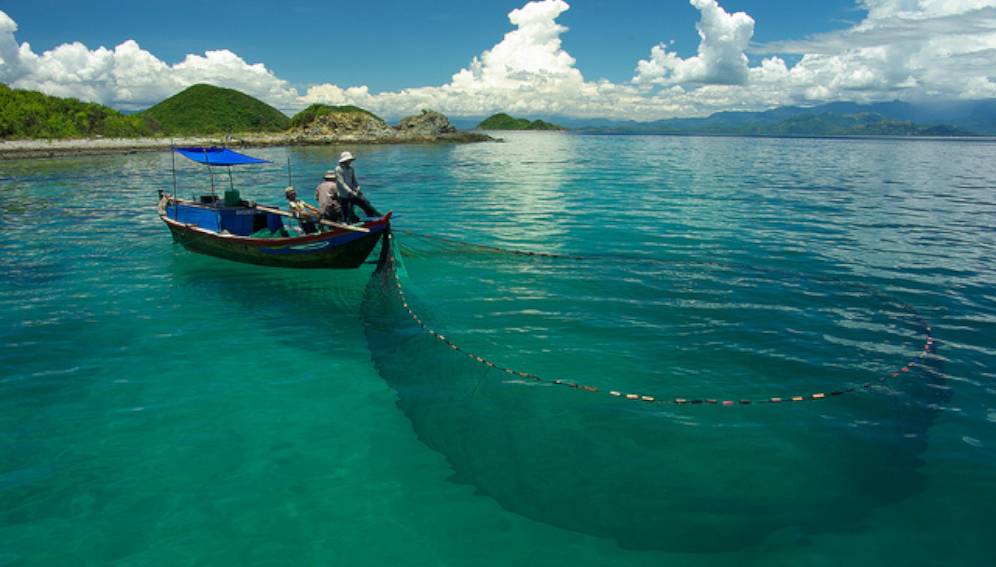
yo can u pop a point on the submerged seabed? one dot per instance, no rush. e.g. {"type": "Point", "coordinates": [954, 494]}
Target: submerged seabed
{"type": "Point", "coordinates": [157, 407]}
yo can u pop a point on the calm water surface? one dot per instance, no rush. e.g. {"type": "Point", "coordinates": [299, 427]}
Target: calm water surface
{"type": "Point", "coordinates": [157, 407]}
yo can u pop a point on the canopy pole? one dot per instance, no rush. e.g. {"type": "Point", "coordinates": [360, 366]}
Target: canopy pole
{"type": "Point", "coordinates": [172, 154]}
{"type": "Point", "coordinates": [207, 162]}
{"type": "Point", "coordinates": [231, 184]}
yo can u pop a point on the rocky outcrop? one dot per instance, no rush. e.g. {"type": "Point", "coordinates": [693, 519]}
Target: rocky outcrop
{"type": "Point", "coordinates": [346, 125]}
{"type": "Point", "coordinates": [428, 124]}
{"type": "Point", "coordinates": [362, 127]}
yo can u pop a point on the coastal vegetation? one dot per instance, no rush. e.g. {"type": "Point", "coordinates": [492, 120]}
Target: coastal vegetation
{"type": "Point", "coordinates": [207, 109]}
{"type": "Point", "coordinates": [200, 109]}
{"type": "Point", "coordinates": [31, 114]}
{"type": "Point", "coordinates": [502, 121]}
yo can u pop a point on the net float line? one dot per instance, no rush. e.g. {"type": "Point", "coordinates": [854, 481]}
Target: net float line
{"type": "Point", "coordinates": [495, 249]}
{"type": "Point", "coordinates": [916, 361]}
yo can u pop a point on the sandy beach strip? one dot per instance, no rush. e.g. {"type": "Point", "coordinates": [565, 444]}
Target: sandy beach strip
{"type": "Point", "coordinates": [19, 149]}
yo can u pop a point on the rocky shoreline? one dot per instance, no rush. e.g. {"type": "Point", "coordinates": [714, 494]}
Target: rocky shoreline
{"type": "Point", "coordinates": [342, 128]}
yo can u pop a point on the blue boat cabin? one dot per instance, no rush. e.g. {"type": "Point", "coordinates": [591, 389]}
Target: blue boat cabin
{"type": "Point", "coordinates": [238, 221]}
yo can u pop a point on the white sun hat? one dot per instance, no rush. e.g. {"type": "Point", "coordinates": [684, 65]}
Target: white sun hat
{"type": "Point", "coordinates": [346, 156]}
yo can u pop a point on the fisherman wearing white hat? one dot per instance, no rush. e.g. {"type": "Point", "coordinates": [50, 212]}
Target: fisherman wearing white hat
{"type": "Point", "coordinates": [349, 190]}
{"type": "Point", "coordinates": [327, 195]}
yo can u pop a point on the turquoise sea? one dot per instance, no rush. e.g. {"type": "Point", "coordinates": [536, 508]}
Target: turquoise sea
{"type": "Point", "coordinates": [163, 408]}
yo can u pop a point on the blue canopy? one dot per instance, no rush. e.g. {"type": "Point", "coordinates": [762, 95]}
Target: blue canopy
{"type": "Point", "coordinates": [218, 156]}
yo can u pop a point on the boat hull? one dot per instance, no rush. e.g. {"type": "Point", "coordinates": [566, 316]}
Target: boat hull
{"type": "Point", "coordinates": [341, 249]}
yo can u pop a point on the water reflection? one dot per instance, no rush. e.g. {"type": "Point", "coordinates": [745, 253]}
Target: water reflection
{"type": "Point", "coordinates": [520, 185]}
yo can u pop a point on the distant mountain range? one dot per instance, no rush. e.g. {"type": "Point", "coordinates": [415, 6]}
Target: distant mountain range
{"type": "Point", "coordinates": [958, 118]}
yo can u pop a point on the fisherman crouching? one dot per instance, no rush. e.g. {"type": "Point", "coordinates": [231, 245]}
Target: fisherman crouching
{"type": "Point", "coordinates": [307, 215]}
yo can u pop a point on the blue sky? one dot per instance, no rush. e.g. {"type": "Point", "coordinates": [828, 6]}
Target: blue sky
{"type": "Point", "coordinates": [624, 59]}
{"type": "Point", "coordinates": [396, 44]}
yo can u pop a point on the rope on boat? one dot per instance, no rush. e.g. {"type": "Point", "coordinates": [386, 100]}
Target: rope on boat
{"type": "Point", "coordinates": [645, 397]}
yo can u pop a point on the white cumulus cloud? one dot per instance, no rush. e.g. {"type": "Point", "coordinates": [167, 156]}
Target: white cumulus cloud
{"type": "Point", "coordinates": [720, 59]}
{"type": "Point", "coordinates": [527, 71]}
{"type": "Point", "coordinates": [907, 49]}
{"type": "Point", "coordinates": [129, 77]}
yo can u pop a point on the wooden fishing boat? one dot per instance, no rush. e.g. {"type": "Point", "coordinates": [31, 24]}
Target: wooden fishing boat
{"type": "Point", "coordinates": [243, 231]}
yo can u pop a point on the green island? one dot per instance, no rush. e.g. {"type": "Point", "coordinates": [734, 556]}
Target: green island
{"type": "Point", "coordinates": [33, 124]}
{"type": "Point", "coordinates": [502, 121]}
{"type": "Point", "coordinates": [207, 109]}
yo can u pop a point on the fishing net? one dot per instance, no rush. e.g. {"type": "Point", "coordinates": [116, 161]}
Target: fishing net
{"type": "Point", "coordinates": [692, 429]}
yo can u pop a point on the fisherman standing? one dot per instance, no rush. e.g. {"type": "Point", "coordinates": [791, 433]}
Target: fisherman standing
{"type": "Point", "coordinates": [327, 195]}
{"type": "Point", "coordinates": [349, 190]}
